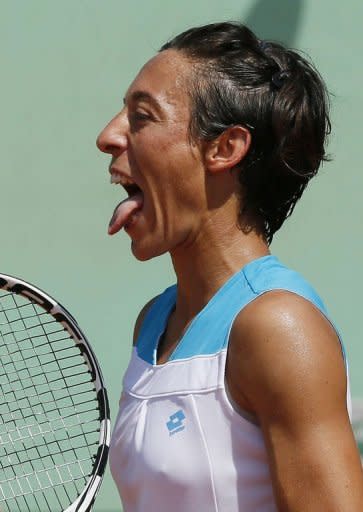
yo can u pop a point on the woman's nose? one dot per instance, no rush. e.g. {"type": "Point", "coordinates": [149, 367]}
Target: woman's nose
{"type": "Point", "coordinates": [112, 138]}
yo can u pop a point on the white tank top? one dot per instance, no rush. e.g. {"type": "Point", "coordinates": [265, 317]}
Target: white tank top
{"type": "Point", "coordinates": [178, 443]}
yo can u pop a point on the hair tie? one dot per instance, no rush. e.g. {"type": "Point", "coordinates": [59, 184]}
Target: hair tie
{"type": "Point", "coordinates": [264, 45]}
{"type": "Point", "coordinates": [279, 78]}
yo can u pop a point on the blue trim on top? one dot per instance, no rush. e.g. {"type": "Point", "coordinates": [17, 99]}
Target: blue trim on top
{"type": "Point", "coordinates": [154, 325]}
{"type": "Point", "coordinates": [208, 333]}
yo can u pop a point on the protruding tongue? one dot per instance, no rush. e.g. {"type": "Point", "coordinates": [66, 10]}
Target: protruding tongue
{"type": "Point", "coordinates": [124, 211]}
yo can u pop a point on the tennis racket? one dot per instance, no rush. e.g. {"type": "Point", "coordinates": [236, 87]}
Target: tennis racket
{"type": "Point", "coordinates": [54, 414]}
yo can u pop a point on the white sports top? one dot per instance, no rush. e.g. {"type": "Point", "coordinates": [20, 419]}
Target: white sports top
{"type": "Point", "coordinates": [178, 444]}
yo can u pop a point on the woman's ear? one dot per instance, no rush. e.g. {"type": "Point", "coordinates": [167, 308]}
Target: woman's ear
{"type": "Point", "coordinates": [227, 150]}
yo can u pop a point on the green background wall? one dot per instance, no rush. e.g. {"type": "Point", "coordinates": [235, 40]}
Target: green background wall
{"type": "Point", "coordinates": [64, 69]}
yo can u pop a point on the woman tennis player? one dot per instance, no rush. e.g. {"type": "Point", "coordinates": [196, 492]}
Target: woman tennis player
{"type": "Point", "coordinates": [236, 397]}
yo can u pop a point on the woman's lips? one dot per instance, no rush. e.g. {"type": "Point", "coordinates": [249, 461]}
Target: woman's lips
{"type": "Point", "coordinates": [125, 211]}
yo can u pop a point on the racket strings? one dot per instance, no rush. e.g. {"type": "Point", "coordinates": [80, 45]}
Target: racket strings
{"type": "Point", "coordinates": [17, 344]}
{"type": "Point", "coordinates": [52, 400]}
{"type": "Point", "coordinates": [48, 432]}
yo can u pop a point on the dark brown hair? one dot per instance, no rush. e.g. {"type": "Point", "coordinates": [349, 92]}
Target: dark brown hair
{"type": "Point", "coordinates": [278, 95]}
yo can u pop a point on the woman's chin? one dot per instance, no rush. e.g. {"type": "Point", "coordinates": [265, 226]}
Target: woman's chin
{"type": "Point", "coordinates": [143, 251]}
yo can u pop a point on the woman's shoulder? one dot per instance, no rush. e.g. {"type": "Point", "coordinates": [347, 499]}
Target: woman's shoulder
{"type": "Point", "coordinates": [281, 344]}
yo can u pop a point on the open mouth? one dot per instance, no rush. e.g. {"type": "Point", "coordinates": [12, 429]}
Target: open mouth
{"type": "Point", "coordinates": [132, 189]}
{"type": "Point", "coordinates": [125, 213]}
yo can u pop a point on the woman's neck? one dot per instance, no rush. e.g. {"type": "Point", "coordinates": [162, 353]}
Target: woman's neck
{"type": "Point", "coordinates": [203, 265]}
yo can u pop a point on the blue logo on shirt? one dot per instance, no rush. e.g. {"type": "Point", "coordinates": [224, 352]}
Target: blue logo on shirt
{"type": "Point", "coordinates": [175, 423]}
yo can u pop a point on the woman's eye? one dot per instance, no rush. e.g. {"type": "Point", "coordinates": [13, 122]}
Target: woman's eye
{"type": "Point", "coordinates": [138, 116]}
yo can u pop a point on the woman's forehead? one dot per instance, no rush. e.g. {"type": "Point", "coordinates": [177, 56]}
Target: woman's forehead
{"type": "Point", "coordinates": [164, 76]}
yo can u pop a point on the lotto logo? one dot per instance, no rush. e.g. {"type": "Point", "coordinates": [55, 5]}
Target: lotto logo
{"type": "Point", "coordinates": [175, 423]}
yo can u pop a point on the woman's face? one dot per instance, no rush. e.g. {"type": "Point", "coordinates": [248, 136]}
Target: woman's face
{"type": "Point", "coordinates": [152, 151]}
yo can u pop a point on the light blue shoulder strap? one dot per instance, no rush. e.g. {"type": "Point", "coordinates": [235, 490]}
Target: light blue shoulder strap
{"type": "Point", "coordinates": [154, 324]}
{"type": "Point", "coordinates": [267, 274]}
